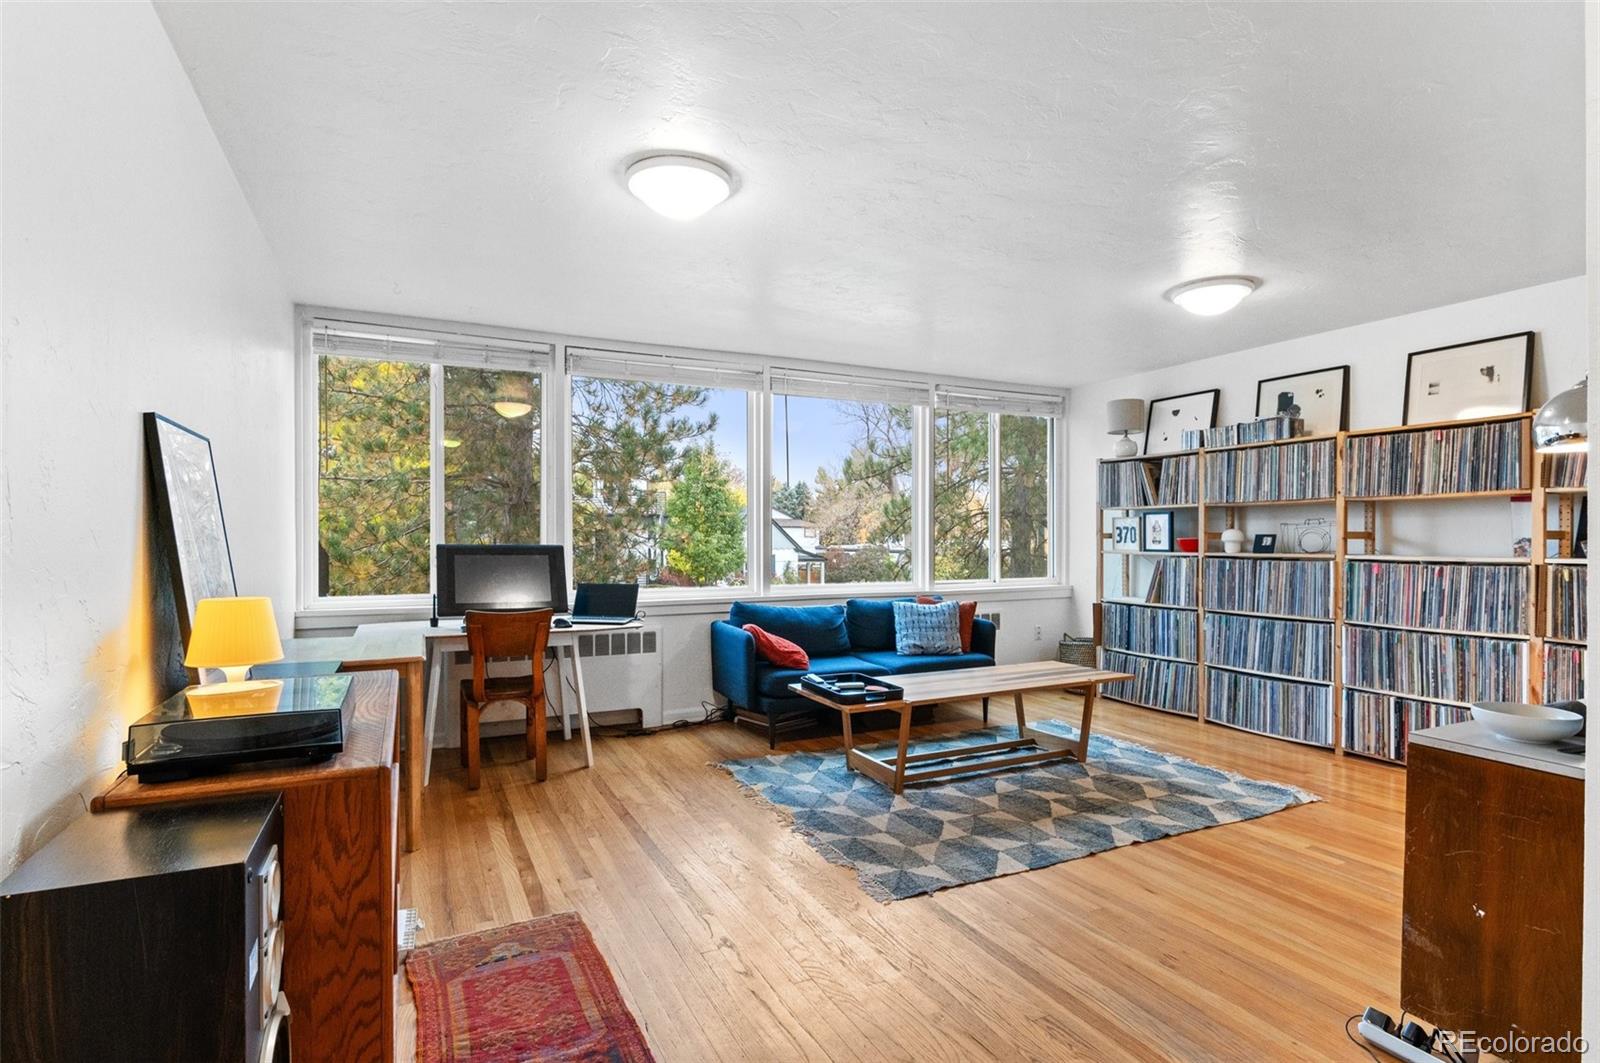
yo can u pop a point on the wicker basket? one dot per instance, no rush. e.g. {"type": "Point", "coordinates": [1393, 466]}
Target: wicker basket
{"type": "Point", "coordinates": [1076, 651]}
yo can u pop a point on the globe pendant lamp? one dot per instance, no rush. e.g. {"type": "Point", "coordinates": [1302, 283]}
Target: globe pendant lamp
{"type": "Point", "coordinates": [1562, 424]}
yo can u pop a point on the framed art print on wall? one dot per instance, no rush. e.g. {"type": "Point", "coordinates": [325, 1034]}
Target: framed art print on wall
{"type": "Point", "coordinates": [1321, 398]}
{"type": "Point", "coordinates": [1483, 378]}
{"type": "Point", "coordinates": [1170, 417]}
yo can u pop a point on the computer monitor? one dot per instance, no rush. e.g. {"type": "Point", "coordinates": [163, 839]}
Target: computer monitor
{"type": "Point", "coordinates": [501, 577]}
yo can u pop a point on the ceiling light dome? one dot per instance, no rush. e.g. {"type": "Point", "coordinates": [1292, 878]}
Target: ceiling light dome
{"type": "Point", "coordinates": [679, 187]}
{"type": "Point", "coordinates": [1211, 296]}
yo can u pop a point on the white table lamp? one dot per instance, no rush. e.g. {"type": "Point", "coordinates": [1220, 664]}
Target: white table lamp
{"type": "Point", "coordinates": [1125, 417]}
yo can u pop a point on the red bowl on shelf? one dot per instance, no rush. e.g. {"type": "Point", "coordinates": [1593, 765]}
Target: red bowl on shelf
{"type": "Point", "coordinates": [1189, 545]}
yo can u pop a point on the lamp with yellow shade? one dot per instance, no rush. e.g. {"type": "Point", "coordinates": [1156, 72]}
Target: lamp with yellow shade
{"type": "Point", "coordinates": [233, 634]}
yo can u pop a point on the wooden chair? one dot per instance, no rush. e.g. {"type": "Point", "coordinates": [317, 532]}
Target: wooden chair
{"type": "Point", "coordinates": [514, 635]}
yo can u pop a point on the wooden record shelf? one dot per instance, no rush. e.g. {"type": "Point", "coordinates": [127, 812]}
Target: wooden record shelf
{"type": "Point", "coordinates": [1359, 540]}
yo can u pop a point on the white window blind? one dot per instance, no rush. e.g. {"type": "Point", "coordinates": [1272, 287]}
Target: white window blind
{"type": "Point", "coordinates": [951, 397]}
{"type": "Point", "coordinates": [809, 384]}
{"type": "Point", "coordinates": [353, 339]}
{"type": "Point", "coordinates": [662, 368]}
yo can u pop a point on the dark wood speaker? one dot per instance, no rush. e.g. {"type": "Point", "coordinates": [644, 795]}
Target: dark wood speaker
{"type": "Point", "coordinates": [148, 935]}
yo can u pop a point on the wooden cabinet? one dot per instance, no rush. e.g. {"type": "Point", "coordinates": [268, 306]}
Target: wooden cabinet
{"type": "Point", "coordinates": [340, 829]}
{"type": "Point", "coordinates": [135, 915]}
{"type": "Point", "coordinates": [1493, 922]}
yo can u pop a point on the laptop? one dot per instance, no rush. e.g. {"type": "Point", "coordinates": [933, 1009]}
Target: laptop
{"type": "Point", "coordinates": [605, 603]}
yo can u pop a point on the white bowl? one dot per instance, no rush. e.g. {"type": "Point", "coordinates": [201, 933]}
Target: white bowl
{"type": "Point", "coordinates": [1537, 724]}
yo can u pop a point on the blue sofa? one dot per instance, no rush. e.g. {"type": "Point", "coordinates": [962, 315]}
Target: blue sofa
{"type": "Point", "coordinates": [857, 636]}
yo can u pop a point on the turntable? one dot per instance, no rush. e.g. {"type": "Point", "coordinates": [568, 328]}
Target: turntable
{"type": "Point", "coordinates": [196, 733]}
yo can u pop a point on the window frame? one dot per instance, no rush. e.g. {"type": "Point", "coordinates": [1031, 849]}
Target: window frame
{"type": "Point", "coordinates": [552, 366]}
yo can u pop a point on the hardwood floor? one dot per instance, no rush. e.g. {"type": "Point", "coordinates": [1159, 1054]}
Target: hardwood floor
{"type": "Point", "coordinates": [731, 939]}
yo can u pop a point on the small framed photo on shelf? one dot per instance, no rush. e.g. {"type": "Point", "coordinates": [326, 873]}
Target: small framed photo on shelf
{"type": "Point", "coordinates": [1125, 534]}
{"type": "Point", "coordinates": [1156, 531]}
{"type": "Point", "coordinates": [1170, 417]}
{"type": "Point", "coordinates": [1484, 378]}
{"type": "Point", "coordinates": [1320, 398]}
{"type": "Point", "coordinates": [1265, 543]}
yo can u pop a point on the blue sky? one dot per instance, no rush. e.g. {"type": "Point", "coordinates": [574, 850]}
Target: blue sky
{"type": "Point", "coordinates": [820, 434]}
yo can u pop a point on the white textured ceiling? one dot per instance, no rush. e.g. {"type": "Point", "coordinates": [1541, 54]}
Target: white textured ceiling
{"type": "Point", "coordinates": [998, 190]}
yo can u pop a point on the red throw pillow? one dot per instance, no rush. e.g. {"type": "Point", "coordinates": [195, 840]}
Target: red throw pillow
{"type": "Point", "coordinates": [965, 612]}
{"type": "Point", "coordinates": [778, 651]}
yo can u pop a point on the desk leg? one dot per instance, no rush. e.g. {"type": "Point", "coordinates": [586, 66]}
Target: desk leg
{"type": "Point", "coordinates": [436, 674]}
{"type": "Point", "coordinates": [583, 704]}
{"type": "Point", "coordinates": [566, 721]}
{"type": "Point", "coordinates": [417, 741]}
{"type": "Point", "coordinates": [558, 700]}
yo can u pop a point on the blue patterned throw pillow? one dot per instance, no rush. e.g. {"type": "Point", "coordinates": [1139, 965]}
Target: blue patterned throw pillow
{"type": "Point", "coordinates": [927, 630]}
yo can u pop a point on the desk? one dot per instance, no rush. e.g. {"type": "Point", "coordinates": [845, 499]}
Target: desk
{"type": "Point", "coordinates": [419, 653]}
{"type": "Point", "coordinates": [340, 873]}
{"type": "Point", "coordinates": [439, 642]}
{"type": "Point", "coordinates": [381, 651]}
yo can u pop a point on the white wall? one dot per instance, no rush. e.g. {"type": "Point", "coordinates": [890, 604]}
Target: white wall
{"type": "Point", "coordinates": [137, 279]}
{"type": "Point", "coordinates": [1376, 353]}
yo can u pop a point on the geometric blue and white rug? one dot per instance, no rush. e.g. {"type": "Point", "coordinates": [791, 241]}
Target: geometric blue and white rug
{"type": "Point", "coordinates": [975, 827]}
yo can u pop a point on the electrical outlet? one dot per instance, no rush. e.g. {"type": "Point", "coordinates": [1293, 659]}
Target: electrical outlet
{"type": "Point", "coordinates": [1038, 634]}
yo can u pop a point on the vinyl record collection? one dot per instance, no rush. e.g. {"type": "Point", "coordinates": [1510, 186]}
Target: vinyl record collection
{"type": "Point", "coordinates": [1484, 457]}
{"type": "Point", "coordinates": [1172, 582]}
{"type": "Point", "coordinates": [1378, 724]}
{"type": "Point", "coordinates": [1178, 482]}
{"type": "Point", "coordinates": [1288, 710]}
{"type": "Point", "coordinates": [1264, 585]}
{"type": "Point", "coordinates": [1488, 599]}
{"type": "Point", "coordinates": [1124, 483]}
{"type": "Point", "coordinates": [1569, 609]}
{"type": "Point", "coordinates": [1168, 685]}
{"type": "Point", "coordinates": [1360, 656]}
{"type": "Point", "coordinates": [1563, 673]}
{"type": "Point", "coordinates": [1173, 481]}
{"type": "Point", "coordinates": [1261, 430]}
{"type": "Point", "coordinates": [1566, 470]}
{"type": "Point", "coordinates": [1161, 632]}
{"type": "Point", "coordinates": [1272, 473]}
{"type": "Point", "coordinates": [1460, 668]}
{"type": "Point", "coordinates": [1283, 647]}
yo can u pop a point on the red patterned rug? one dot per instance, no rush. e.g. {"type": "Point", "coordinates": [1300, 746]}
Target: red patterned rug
{"type": "Point", "coordinates": [525, 993]}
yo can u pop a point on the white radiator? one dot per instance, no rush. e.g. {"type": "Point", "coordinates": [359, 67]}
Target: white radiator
{"type": "Point", "coordinates": [622, 672]}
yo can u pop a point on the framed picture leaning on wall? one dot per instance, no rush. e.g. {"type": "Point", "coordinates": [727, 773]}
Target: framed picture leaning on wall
{"type": "Point", "coordinates": [1483, 378]}
{"type": "Point", "coordinates": [1170, 417]}
{"type": "Point", "coordinates": [188, 515]}
{"type": "Point", "coordinates": [1321, 398]}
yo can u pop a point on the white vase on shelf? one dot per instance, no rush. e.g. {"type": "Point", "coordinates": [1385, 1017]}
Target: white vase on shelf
{"type": "Point", "coordinates": [1233, 541]}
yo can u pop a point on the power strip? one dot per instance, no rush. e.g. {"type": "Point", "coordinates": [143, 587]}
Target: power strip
{"type": "Point", "coordinates": [406, 925]}
{"type": "Point", "coordinates": [1378, 1029]}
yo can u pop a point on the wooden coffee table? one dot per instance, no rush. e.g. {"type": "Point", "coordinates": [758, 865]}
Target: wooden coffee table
{"type": "Point", "coordinates": [964, 684]}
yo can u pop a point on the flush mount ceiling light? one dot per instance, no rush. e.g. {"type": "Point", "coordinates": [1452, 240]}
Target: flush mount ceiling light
{"type": "Point", "coordinates": [1211, 296]}
{"type": "Point", "coordinates": [679, 187]}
